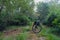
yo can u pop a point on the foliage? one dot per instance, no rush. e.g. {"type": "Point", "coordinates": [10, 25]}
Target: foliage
{"type": "Point", "coordinates": [15, 12]}
{"type": "Point", "coordinates": [43, 10]}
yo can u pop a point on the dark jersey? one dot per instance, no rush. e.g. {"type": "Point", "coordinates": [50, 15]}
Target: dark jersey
{"type": "Point", "coordinates": [37, 22]}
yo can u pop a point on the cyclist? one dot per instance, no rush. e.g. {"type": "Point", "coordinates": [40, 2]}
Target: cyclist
{"type": "Point", "coordinates": [36, 26]}
{"type": "Point", "coordinates": [37, 22]}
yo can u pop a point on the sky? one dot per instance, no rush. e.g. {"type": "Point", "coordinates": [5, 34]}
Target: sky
{"type": "Point", "coordinates": [36, 1]}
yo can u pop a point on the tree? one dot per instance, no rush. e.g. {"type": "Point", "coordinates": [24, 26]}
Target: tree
{"type": "Point", "coordinates": [13, 10]}
{"type": "Point", "coordinates": [43, 10]}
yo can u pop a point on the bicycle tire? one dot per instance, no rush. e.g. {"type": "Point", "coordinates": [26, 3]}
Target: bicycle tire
{"type": "Point", "coordinates": [33, 29]}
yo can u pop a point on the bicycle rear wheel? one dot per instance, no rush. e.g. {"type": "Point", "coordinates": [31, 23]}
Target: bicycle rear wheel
{"type": "Point", "coordinates": [36, 29]}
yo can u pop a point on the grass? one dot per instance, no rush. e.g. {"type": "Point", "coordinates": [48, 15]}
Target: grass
{"type": "Point", "coordinates": [25, 29]}
{"type": "Point", "coordinates": [12, 27]}
{"type": "Point", "coordinates": [46, 32]}
{"type": "Point", "coordinates": [22, 36]}
{"type": "Point", "coordinates": [52, 37]}
{"type": "Point", "coordinates": [1, 33]}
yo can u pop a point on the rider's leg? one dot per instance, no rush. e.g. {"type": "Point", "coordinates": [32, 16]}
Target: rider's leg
{"type": "Point", "coordinates": [36, 26]}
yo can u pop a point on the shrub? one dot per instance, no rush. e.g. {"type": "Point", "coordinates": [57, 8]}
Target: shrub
{"type": "Point", "coordinates": [19, 20]}
{"type": "Point", "coordinates": [2, 25]}
{"type": "Point", "coordinates": [49, 21]}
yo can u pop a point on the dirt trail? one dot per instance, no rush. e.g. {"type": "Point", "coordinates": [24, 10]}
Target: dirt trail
{"type": "Point", "coordinates": [12, 32]}
{"type": "Point", "coordinates": [32, 36]}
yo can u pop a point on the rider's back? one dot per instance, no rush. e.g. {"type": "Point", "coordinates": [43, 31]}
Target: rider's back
{"type": "Point", "coordinates": [37, 22]}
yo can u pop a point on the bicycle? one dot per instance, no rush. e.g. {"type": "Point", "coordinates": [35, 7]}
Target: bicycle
{"type": "Point", "coordinates": [36, 28]}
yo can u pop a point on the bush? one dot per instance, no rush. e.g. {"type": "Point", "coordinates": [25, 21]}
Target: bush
{"type": "Point", "coordinates": [2, 25]}
{"type": "Point", "coordinates": [56, 30]}
{"type": "Point", "coordinates": [49, 21]}
{"type": "Point", "coordinates": [19, 20]}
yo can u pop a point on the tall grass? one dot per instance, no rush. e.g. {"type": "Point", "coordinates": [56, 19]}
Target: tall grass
{"type": "Point", "coordinates": [22, 36]}
{"type": "Point", "coordinates": [46, 32]}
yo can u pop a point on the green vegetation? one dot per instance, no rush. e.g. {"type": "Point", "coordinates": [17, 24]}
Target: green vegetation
{"type": "Point", "coordinates": [22, 36]}
{"type": "Point", "coordinates": [46, 32]}
{"type": "Point", "coordinates": [20, 14]}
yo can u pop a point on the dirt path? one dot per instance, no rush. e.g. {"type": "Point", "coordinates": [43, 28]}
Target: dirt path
{"type": "Point", "coordinates": [32, 36]}
{"type": "Point", "coordinates": [12, 32]}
